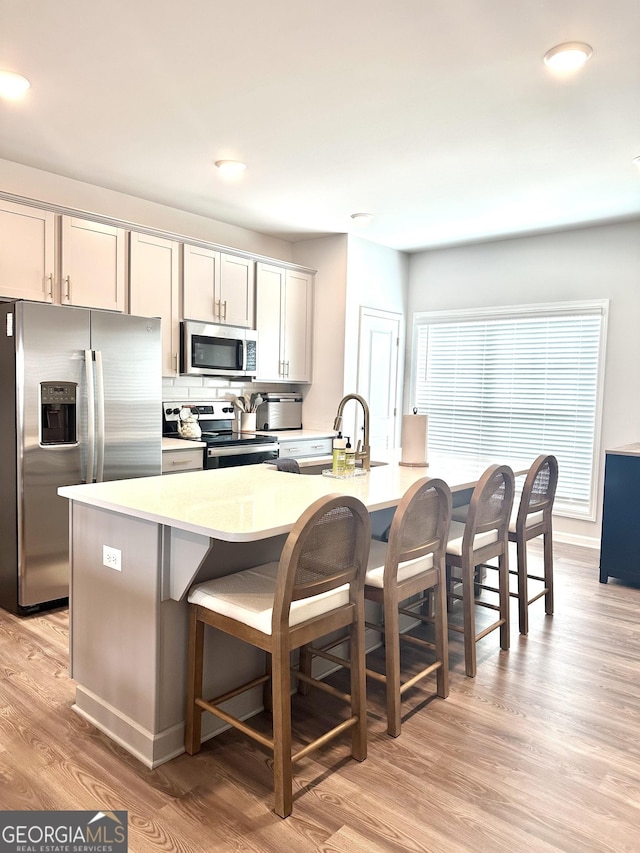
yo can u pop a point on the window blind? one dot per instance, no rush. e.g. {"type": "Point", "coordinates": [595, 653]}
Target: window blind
{"type": "Point", "coordinates": [514, 386]}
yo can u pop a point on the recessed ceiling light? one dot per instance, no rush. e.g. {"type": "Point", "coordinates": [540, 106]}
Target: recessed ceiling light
{"type": "Point", "coordinates": [231, 168]}
{"type": "Point", "coordinates": [568, 56]}
{"type": "Point", "coordinates": [362, 218]}
{"type": "Point", "coordinates": [13, 85]}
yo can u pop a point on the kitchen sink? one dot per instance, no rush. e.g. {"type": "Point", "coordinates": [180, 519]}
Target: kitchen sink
{"type": "Point", "coordinates": [326, 466]}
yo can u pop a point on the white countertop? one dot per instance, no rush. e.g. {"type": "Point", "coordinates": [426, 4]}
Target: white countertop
{"type": "Point", "coordinates": [181, 443]}
{"type": "Point", "coordinates": [626, 450]}
{"type": "Point", "coordinates": [253, 502]}
{"type": "Point", "coordinates": [295, 434]}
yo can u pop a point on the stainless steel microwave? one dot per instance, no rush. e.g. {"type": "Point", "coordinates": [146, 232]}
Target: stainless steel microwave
{"type": "Point", "coordinates": [208, 350]}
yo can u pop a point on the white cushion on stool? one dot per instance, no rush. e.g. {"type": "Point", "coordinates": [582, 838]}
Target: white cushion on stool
{"type": "Point", "coordinates": [377, 557]}
{"type": "Point", "coordinates": [456, 532]}
{"type": "Point", "coordinates": [531, 519]}
{"type": "Point", "coordinates": [248, 597]}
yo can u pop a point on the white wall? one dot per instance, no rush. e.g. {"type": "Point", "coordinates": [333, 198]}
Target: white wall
{"type": "Point", "coordinates": [56, 190]}
{"type": "Point", "coordinates": [597, 262]}
{"type": "Point", "coordinates": [327, 255]}
{"type": "Point", "coordinates": [377, 277]}
{"type": "Point", "coordinates": [352, 272]}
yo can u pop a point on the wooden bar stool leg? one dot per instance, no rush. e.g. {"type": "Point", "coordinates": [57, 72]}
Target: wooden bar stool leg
{"type": "Point", "coordinates": [523, 586]}
{"type": "Point", "coordinates": [442, 639]}
{"type": "Point", "coordinates": [282, 771]}
{"type": "Point", "coordinates": [548, 572]}
{"type": "Point", "coordinates": [195, 664]}
{"type": "Point", "coordinates": [358, 690]}
{"type": "Point", "coordinates": [503, 584]}
{"type": "Point", "coordinates": [304, 666]}
{"type": "Point", "coordinates": [392, 663]}
{"type": "Point", "coordinates": [469, 616]}
{"type": "Point", "coordinates": [267, 691]}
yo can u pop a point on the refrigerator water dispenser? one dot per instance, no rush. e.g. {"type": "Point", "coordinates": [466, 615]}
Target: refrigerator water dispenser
{"type": "Point", "coordinates": [58, 413]}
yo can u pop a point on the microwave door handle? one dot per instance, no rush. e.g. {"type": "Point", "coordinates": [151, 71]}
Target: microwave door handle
{"type": "Point", "coordinates": [91, 424]}
{"type": "Point", "coordinates": [99, 417]}
{"type": "Point", "coordinates": [241, 355]}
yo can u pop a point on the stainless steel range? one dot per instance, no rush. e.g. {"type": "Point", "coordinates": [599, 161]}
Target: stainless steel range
{"type": "Point", "coordinates": [225, 448]}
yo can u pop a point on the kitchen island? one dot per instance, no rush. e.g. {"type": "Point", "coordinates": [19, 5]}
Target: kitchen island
{"type": "Point", "coordinates": [136, 548]}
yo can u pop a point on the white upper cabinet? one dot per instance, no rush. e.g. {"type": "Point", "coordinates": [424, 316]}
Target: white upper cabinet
{"type": "Point", "coordinates": [89, 269]}
{"type": "Point", "coordinates": [237, 290]}
{"type": "Point", "coordinates": [284, 300]}
{"type": "Point", "coordinates": [27, 252]}
{"type": "Point", "coordinates": [200, 284]}
{"type": "Point", "coordinates": [154, 284]}
{"type": "Point", "coordinates": [217, 288]}
{"type": "Point", "coordinates": [92, 264]}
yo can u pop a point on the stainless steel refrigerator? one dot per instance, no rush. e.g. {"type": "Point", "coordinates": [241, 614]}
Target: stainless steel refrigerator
{"type": "Point", "coordinates": [80, 392]}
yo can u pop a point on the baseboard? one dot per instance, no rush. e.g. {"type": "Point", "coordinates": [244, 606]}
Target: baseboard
{"type": "Point", "coordinates": [576, 539]}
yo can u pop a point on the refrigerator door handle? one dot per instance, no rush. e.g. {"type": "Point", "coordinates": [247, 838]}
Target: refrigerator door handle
{"type": "Point", "coordinates": [91, 422]}
{"type": "Point", "coordinates": [99, 417]}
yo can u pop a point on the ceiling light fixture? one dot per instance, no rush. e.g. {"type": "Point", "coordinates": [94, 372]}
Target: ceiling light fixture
{"type": "Point", "coordinates": [362, 218]}
{"type": "Point", "coordinates": [231, 168]}
{"type": "Point", "coordinates": [568, 57]}
{"type": "Point", "coordinates": [13, 85]}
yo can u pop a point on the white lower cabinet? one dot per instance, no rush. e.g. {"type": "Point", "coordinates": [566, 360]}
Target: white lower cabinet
{"type": "Point", "coordinates": [284, 316]}
{"type": "Point", "coordinates": [177, 461]}
{"type": "Point", "coordinates": [300, 447]}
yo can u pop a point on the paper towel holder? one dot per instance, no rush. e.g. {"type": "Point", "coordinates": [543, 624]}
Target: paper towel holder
{"type": "Point", "coordinates": [420, 463]}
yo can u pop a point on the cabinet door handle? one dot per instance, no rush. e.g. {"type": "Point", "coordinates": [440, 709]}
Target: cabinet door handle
{"type": "Point", "coordinates": [225, 311]}
{"type": "Point", "coordinates": [217, 312]}
{"type": "Point", "coordinates": [50, 291]}
{"type": "Point", "coordinates": [67, 289]}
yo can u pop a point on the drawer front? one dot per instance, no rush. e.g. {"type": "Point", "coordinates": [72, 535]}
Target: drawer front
{"type": "Point", "coordinates": [175, 461]}
{"type": "Point", "coordinates": [306, 447]}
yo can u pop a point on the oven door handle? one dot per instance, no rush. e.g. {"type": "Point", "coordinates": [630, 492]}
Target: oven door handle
{"type": "Point", "coordinates": [241, 450]}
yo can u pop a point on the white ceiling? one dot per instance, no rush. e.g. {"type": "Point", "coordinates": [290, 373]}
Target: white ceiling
{"type": "Point", "coordinates": [436, 116]}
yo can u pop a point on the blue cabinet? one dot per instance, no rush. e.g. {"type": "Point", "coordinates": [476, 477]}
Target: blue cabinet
{"type": "Point", "coordinates": [620, 543]}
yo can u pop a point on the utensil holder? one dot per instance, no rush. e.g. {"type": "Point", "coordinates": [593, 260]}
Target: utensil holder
{"type": "Point", "coordinates": [247, 421]}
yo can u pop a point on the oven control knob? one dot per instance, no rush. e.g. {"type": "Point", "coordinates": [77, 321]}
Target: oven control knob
{"type": "Point", "coordinates": [228, 409]}
{"type": "Point", "coordinates": [176, 411]}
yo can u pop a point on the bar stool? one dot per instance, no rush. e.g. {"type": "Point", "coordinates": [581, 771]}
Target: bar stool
{"type": "Point", "coordinates": [532, 519]}
{"type": "Point", "coordinates": [315, 588]}
{"type": "Point", "coordinates": [410, 564]}
{"type": "Point", "coordinates": [482, 537]}
{"type": "Point", "coordinates": [288, 464]}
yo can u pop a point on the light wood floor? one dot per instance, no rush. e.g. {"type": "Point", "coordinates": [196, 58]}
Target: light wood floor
{"type": "Point", "coordinates": [540, 752]}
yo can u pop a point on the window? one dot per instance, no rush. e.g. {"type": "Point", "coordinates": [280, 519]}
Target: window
{"type": "Point", "coordinates": [511, 383]}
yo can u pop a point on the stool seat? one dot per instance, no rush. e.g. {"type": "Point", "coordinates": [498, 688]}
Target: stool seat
{"type": "Point", "coordinates": [248, 597]}
{"type": "Point", "coordinates": [530, 521]}
{"type": "Point", "coordinates": [456, 535]}
{"type": "Point", "coordinates": [406, 570]}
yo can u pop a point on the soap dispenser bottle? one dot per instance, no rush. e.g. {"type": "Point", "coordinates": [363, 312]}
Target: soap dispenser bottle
{"type": "Point", "coordinates": [339, 454]}
{"type": "Point", "coordinates": [349, 459]}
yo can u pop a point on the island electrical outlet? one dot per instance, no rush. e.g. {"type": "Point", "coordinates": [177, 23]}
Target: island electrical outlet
{"type": "Point", "coordinates": [112, 558]}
